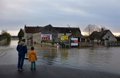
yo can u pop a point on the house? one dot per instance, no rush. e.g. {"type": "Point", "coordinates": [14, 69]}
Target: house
{"type": "Point", "coordinates": [49, 33]}
{"type": "Point", "coordinates": [69, 36]}
{"type": "Point", "coordinates": [102, 37]}
{"type": "Point", "coordinates": [31, 33]}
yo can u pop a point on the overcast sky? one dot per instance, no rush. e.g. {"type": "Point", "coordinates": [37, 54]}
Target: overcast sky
{"type": "Point", "coordinates": [14, 14]}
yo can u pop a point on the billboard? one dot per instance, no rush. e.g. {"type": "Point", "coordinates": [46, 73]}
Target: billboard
{"type": "Point", "coordinates": [74, 42]}
{"type": "Point", "coordinates": [64, 38]}
{"type": "Point", "coordinates": [46, 37]}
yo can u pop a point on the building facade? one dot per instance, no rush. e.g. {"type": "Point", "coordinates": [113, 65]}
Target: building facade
{"type": "Point", "coordinates": [104, 37]}
{"type": "Point", "coordinates": [48, 33]}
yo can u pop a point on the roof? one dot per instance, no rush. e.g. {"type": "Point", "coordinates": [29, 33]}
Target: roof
{"type": "Point", "coordinates": [102, 33]}
{"type": "Point", "coordinates": [29, 29]}
{"type": "Point", "coordinates": [95, 35]}
{"type": "Point", "coordinates": [98, 35]}
{"type": "Point", "coordinates": [48, 29]}
{"type": "Point", "coordinates": [36, 29]}
{"type": "Point", "coordinates": [66, 29]}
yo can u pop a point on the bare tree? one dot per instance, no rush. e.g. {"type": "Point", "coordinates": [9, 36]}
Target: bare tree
{"type": "Point", "coordinates": [90, 28]}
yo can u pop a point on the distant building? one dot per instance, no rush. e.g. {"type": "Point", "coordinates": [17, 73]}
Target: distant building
{"type": "Point", "coordinates": [38, 34]}
{"type": "Point", "coordinates": [30, 33]}
{"type": "Point", "coordinates": [102, 37]}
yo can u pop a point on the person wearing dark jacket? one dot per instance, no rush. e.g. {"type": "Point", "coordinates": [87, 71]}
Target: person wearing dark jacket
{"type": "Point", "coordinates": [22, 50]}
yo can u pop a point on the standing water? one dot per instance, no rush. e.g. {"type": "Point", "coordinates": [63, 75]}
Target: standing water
{"type": "Point", "coordinates": [98, 59]}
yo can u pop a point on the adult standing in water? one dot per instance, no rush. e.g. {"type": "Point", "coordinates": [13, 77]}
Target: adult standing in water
{"type": "Point", "coordinates": [22, 50]}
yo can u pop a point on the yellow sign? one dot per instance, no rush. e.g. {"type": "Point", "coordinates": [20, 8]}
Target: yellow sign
{"type": "Point", "coordinates": [64, 38]}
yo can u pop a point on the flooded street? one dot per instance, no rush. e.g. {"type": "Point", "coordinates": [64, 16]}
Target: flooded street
{"type": "Point", "coordinates": [99, 59]}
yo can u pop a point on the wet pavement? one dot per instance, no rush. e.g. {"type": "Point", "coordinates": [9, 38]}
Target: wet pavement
{"type": "Point", "coordinates": [48, 71]}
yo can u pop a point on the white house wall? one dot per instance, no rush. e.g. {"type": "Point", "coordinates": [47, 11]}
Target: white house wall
{"type": "Point", "coordinates": [110, 36]}
{"type": "Point", "coordinates": [28, 35]}
{"type": "Point", "coordinates": [37, 37]}
{"type": "Point", "coordinates": [27, 38]}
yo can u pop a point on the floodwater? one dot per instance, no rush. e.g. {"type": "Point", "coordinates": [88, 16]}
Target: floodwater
{"type": "Point", "coordinates": [99, 59]}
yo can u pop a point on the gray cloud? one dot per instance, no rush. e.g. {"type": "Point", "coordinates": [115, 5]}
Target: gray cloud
{"type": "Point", "coordinates": [60, 12]}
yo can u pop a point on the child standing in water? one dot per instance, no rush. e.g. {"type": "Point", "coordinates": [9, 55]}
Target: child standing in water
{"type": "Point", "coordinates": [32, 56]}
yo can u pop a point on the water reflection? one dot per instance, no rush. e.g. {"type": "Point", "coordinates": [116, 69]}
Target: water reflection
{"type": "Point", "coordinates": [49, 56]}
{"type": "Point", "coordinates": [99, 57]}
{"type": "Point", "coordinates": [102, 58]}
{"type": "Point", "coordinates": [64, 54]}
{"type": "Point", "coordinates": [8, 54]}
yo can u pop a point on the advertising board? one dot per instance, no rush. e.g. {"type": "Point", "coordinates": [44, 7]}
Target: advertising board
{"type": "Point", "coordinates": [46, 37]}
{"type": "Point", "coordinates": [74, 42]}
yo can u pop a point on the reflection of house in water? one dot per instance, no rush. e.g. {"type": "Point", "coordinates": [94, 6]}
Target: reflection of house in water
{"type": "Point", "coordinates": [49, 33]}
{"type": "Point", "coordinates": [64, 54]}
{"type": "Point", "coordinates": [50, 55]}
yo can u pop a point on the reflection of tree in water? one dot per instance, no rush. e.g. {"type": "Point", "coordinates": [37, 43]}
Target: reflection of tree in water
{"type": "Point", "coordinates": [49, 56]}
{"type": "Point", "coordinates": [64, 54]}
